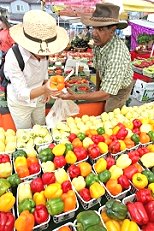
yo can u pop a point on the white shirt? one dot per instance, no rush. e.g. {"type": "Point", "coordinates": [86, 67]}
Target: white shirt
{"type": "Point", "coordinates": [33, 75]}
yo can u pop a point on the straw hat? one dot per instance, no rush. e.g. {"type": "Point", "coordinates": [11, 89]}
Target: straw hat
{"type": "Point", "coordinates": [39, 33]}
{"type": "Point", "coordinates": [105, 14]}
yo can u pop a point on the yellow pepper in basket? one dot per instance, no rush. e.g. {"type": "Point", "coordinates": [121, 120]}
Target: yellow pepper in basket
{"type": "Point", "coordinates": [151, 187]}
{"type": "Point", "coordinates": [139, 180]}
{"type": "Point", "coordinates": [100, 165]}
{"type": "Point", "coordinates": [113, 225]}
{"type": "Point", "coordinates": [39, 198]}
{"type": "Point", "coordinates": [116, 172]}
{"type": "Point", "coordinates": [59, 149]}
{"type": "Point", "coordinates": [53, 191]}
{"type": "Point", "coordinates": [61, 175]}
{"type": "Point", "coordinates": [5, 169]}
{"type": "Point", "coordinates": [128, 225]}
{"type": "Point", "coordinates": [70, 157]}
{"type": "Point", "coordinates": [7, 201]}
{"type": "Point", "coordinates": [20, 161]}
{"type": "Point", "coordinates": [123, 161]}
{"type": "Point", "coordinates": [96, 190]}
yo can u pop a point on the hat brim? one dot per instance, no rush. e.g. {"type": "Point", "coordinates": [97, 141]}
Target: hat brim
{"type": "Point", "coordinates": [56, 46]}
{"type": "Point", "coordinates": [88, 21]}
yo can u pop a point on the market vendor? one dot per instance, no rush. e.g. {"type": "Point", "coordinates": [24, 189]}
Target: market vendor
{"type": "Point", "coordinates": [114, 74]}
{"type": "Point", "coordinates": [38, 36]}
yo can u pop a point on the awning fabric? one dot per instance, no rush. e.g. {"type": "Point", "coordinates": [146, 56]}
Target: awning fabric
{"type": "Point", "coordinates": [139, 5]}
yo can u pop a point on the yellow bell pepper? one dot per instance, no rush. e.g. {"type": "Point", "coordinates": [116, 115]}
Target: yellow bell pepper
{"type": "Point", "coordinates": [70, 157]}
{"type": "Point", "coordinates": [39, 198]}
{"type": "Point", "coordinates": [79, 183]}
{"type": "Point", "coordinates": [53, 191]}
{"type": "Point", "coordinates": [116, 172]}
{"type": "Point", "coordinates": [7, 201]}
{"type": "Point", "coordinates": [24, 192]}
{"type": "Point", "coordinates": [100, 165]}
{"type": "Point", "coordinates": [128, 225]}
{"type": "Point", "coordinates": [86, 142]}
{"type": "Point", "coordinates": [20, 161]}
{"type": "Point", "coordinates": [123, 161]}
{"type": "Point", "coordinates": [5, 169]}
{"type": "Point", "coordinates": [113, 225]}
{"type": "Point", "coordinates": [96, 190]}
{"type": "Point", "coordinates": [59, 149]}
{"type": "Point", "coordinates": [61, 175]}
{"type": "Point", "coordinates": [103, 147]}
{"type": "Point", "coordinates": [151, 187]}
{"type": "Point", "coordinates": [139, 180]}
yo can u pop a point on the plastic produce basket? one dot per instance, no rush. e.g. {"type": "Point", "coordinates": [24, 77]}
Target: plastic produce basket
{"type": "Point", "coordinates": [69, 224]}
{"type": "Point", "coordinates": [40, 227]}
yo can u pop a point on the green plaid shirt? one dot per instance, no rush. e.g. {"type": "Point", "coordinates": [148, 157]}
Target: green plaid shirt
{"type": "Point", "coordinates": [114, 65]}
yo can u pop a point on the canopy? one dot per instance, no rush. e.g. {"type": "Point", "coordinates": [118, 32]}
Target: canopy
{"type": "Point", "coordinates": [139, 5]}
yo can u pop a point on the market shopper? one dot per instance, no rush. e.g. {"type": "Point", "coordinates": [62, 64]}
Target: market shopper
{"type": "Point", "coordinates": [38, 36]}
{"type": "Point", "coordinates": [5, 39]}
{"type": "Point", "coordinates": [114, 75]}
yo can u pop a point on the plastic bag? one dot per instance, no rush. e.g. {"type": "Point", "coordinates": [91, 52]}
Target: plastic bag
{"type": "Point", "coordinates": [60, 111]}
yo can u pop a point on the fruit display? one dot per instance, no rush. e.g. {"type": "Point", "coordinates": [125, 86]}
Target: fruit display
{"type": "Point", "coordinates": [78, 42]}
{"type": "Point", "coordinates": [146, 66]}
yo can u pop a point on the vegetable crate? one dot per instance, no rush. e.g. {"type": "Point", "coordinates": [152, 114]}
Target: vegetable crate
{"type": "Point", "coordinates": [42, 226]}
{"type": "Point", "coordinates": [65, 216]}
{"type": "Point", "coordinates": [69, 224]}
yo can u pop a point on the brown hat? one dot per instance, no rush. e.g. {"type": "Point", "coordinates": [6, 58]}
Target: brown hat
{"type": "Point", "coordinates": [105, 14]}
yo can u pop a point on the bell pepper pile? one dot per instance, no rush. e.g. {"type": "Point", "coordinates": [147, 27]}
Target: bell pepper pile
{"type": "Point", "coordinates": [25, 165]}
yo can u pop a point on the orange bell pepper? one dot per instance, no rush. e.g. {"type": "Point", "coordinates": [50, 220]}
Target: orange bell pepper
{"type": "Point", "coordinates": [25, 222]}
{"type": "Point", "coordinates": [69, 200]}
{"type": "Point", "coordinates": [22, 171]}
{"type": "Point", "coordinates": [85, 168]}
{"type": "Point", "coordinates": [113, 187]}
{"type": "Point", "coordinates": [57, 82]}
{"type": "Point", "coordinates": [144, 138]}
{"type": "Point", "coordinates": [129, 143]}
{"type": "Point", "coordinates": [64, 228]}
{"type": "Point", "coordinates": [77, 143]}
{"type": "Point", "coordinates": [31, 160]}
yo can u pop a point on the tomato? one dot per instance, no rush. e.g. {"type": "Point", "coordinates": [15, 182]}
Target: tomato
{"type": "Point", "coordinates": [57, 82]}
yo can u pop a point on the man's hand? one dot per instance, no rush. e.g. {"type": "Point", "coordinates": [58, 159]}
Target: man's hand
{"type": "Point", "coordinates": [69, 95]}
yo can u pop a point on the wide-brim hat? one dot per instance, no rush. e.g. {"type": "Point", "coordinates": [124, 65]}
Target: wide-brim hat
{"type": "Point", "coordinates": [39, 33]}
{"type": "Point", "coordinates": [105, 14]}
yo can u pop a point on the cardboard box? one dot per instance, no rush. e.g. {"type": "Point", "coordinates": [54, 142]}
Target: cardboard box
{"type": "Point", "coordinates": [143, 92]}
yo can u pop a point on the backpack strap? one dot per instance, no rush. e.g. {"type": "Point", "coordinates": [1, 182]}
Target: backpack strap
{"type": "Point", "coordinates": [18, 56]}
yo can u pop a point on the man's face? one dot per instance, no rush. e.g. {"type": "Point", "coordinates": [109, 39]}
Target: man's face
{"type": "Point", "coordinates": [102, 35]}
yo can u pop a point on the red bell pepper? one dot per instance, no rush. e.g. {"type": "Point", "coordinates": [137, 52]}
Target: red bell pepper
{"type": "Point", "coordinates": [149, 207]}
{"type": "Point", "coordinates": [6, 221]}
{"type": "Point", "coordinates": [124, 182]}
{"type": "Point", "coordinates": [144, 195]}
{"type": "Point", "coordinates": [114, 147]}
{"type": "Point", "coordinates": [72, 136]}
{"type": "Point", "coordinates": [97, 138]}
{"type": "Point", "coordinates": [136, 123]}
{"type": "Point", "coordinates": [113, 137]}
{"type": "Point", "coordinates": [85, 194]}
{"type": "Point", "coordinates": [148, 227]}
{"type": "Point", "coordinates": [81, 153]}
{"type": "Point", "coordinates": [51, 146]}
{"type": "Point", "coordinates": [121, 125]}
{"type": "Point", "coordinates": [74, 171]}
{"type": "Point", "coordinates": [130, 171]}
{"type": "Point", "coordinates": [122, 133]}
{"type": "Point", "coordinates": [48, 178]}
{"type": "Point", "coordinates": [138, 212]}
{"type": "Point", "coordinates": [36, 185]}
{"type": "Point", "coordinates": [93, 151]}
{"type": "Point", "coordinates": [142, 151]}
{"type": "Point", "coordinates": [136, 131]}
{"type": "Point", "coordinates": [4, 158]}
{"type": "Point", "coordinates": [134, 156]}
{"type": "Point", "coordinates": [40, 214]}
{"type": "Point", "coordinates": [34, 168]}
{"type": "Point", "coordinates": [66, 186]}
{"type": "Point", "coordinates": [110, 161]}
{"type": "Point", "coordinates": [59, 161]}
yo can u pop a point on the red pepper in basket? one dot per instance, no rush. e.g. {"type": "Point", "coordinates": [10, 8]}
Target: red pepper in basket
{"type": "Point", "coordinates": [136, 123]}
{"type": "Point", "coordinates": [48, 178]}
{"type": "Point", "coordinates": [6, 221]}
{"type": "Point", "coordinates": [72, 136]}
{"type": "Point", "coordinates": [142, 151]}
{"type": "Point", "coordinates": [149, 207]}
{"type": "Point", "coordinates": [138, 212]}
{"type": "Point", "coordinates": [97, 138]}
{"type": "Point", "coordinates": [74, 171]}
{"type": "Point", "coordinates": [110, 162]}
{"type": "Point", "coordinates": [114, 147]}
{"type": "Point", "coordinates": [136, 131]}
{"type": "Point", "coordinates": [59, 161]}
{"type": "Point", "coordinates": [36, 185]}
{"type": "Point", "coordinates": [93, 151]}
{"type": "Point", "coordinates": [66, 186]}
{"type": "Point", "coordinates": [34, 168]}
{"type": "Point", "coordinates": [122, 133]}
{"type": "Point", "coordinates": [134, 156]}
{"type": "Point", "coordinates": [85, 194]}
{"type": "Point", "coordinates": [148, 227]}
{"type": "Point", "coordinates": [144, 195]}
{"type": "Point", "coordinates": [40, 214]}
{"type": "Point", "coordinates": [124, 182]}
{"type": "Point", "coordinates": [81, 153]}
{"type": "Point", "coordinates": [130, 171]}
{"type": "Point", "coordinates": [4, 158]}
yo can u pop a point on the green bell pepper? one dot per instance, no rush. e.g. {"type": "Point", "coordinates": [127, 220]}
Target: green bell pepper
{"type": "Point", "coordinates": [14, 180]}
{"type": "Point", "coordinates": [135, 138]}
{"type": "Point", "coordinates": [26, 204]}
{"type": "Point", "coordinates": [69, 147]}
{"type": "Point", "coordinates": [149, 175]}
{"type": "Point", "coordinates": [4, 186]}
{"type": "Point", "coordinates": [97, 228]}
{"type": "Point", "coordinates": [104, 176]}
{"type": "Point", "coordinates": [151, 135]}
{"type": "Point", "coordinates": [116, 210]}
{"type": "Point", "coordinates": [90, 179]}
{"type": "Point", "coordinates": [100, 130]}
{"type": "Point", "coordinates": [55, 206]}
{"type": "Point", "coordinates": [46, 155]}
{"type": "Point", "coordinates": [87, 219]}
{"type": "Point", "coordinates": [19, 153]}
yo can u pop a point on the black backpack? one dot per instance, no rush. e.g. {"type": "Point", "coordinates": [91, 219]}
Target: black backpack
{"type": "Point", "coordinates": [3, 80]}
